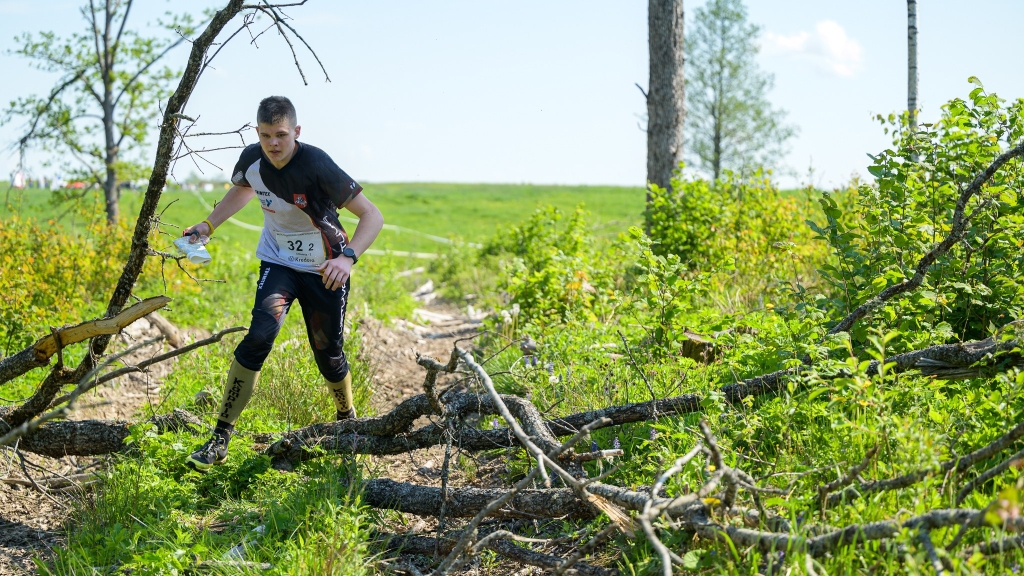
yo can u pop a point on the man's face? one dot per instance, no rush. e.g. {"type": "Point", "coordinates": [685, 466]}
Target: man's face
{"type": "Point", "coordinates": [278, 141]}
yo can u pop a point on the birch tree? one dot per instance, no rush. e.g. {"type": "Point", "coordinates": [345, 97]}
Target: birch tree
{"type": "Point", "coordinates": [666, 106]}
{"type": "Point", "coordinates": [105, 99]}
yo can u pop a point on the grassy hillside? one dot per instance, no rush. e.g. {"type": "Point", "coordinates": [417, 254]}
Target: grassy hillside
{"type": "Point", "coordinates": [470, 212]}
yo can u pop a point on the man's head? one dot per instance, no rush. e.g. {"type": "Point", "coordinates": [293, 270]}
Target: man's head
{"type": "Point", "coordinates": [278, 128]}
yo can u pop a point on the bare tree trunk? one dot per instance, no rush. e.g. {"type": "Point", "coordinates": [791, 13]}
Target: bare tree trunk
{"type": "Point", "coordinates": [110, 191]}
{"type": "Point", "coordinates": [666, 107]}
{"type": "Point", "coordinates": [716, 160]}
{"type": "Point", "coordinates": [912, 63]}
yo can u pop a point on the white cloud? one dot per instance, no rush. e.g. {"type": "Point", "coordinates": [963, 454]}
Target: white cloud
{"type": "Point", "coordinates": [828, 46]}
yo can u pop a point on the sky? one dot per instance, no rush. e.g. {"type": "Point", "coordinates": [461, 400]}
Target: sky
{"type": "Point", "coordinates": [543, 91]}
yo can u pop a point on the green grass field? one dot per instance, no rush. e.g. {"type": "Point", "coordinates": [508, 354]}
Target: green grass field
{"type": "Point", "coordinates": [471, 212]}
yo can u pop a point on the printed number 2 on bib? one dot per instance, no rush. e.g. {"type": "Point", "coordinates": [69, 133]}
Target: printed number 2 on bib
{"type": "Point", "coordinates": [301, 247]}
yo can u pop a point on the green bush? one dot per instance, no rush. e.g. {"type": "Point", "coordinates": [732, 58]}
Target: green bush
{"type": "Point", "coordinates": [552, 270]}
{"type": "Point", "coordinates": [755, 236]}
{"type": "Point", "coordinates": [51, 275]}
{"type": "Point", "coordinates": [878, 239]}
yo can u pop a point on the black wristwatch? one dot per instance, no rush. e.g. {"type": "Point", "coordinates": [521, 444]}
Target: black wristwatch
{"type": "Point", "coordinates": [350, 253]}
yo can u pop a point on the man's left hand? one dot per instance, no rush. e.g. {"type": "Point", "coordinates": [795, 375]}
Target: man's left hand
{"type": "Point", "coordinates": [335, 272]}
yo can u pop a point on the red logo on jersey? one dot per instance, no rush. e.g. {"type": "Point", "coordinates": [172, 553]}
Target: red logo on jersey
{"type": "Point", "coordinates": [300, 200]}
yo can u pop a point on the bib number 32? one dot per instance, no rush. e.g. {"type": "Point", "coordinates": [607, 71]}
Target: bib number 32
{"type": "Point", "coordinates": [301, 247]}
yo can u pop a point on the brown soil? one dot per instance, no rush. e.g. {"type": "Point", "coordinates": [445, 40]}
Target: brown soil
{"type": "Point", "coordinates": [31, 522]}
{"type": "Point", "coordinates": [392, 350]}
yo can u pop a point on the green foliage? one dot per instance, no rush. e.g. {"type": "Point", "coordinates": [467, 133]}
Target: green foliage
{"type": "Point", "coordinates": [734, 261]}
{"type": "Point", "coordinates": [744, 229]}
{"type": "Point", "coordinates": [153, 516]}
{"type": "Point", "coordinates": [150, 514]}
{"type": "Point", "coordinates": [106, 97]}
{"type": "Point", "coordinates": [552, 271]}
{"type": "Point", "coordinates": [664, 290]}
{"type": "Point", "coordinates": [730, 124]}
{"type": "Point", "coordinates": [878, 238]}
{"type": "Point", "coordinates": [46, 282]}
{"type": "Point", "coordinates": [51, 275]}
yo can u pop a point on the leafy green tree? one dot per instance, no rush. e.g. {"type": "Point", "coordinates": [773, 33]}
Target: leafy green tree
{"type": "Point", "coordinates": [730, 123]}
{"type": "Point", "coordinates": [106, 98]}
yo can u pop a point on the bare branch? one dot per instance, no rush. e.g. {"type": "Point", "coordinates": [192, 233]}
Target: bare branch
{"type": "Point", "coordinates": [846, 480]}
{"type": "Point", "coordinates": [246, 21]}
{"type": "Point", "coordinates": [470, 532]}
{"type": "Point", "coordinates": [141, 366]}
{"type": "Point", "coordinates": [989, 474]}
{"type": "Point", "coordinates": [120, 30]}
{"type": "Point", "coordinates": [277, 22]}
{"type": "Point", "coordinates": [265, 4]}
{"type": "Point", "coordinates": [39, 354]}
{"type": "Point", "coordinates": [933, 557]}
{"type": "Point", "coordinates": [49, 102]}
{"type": "Point", "coordinates": [958, 229]}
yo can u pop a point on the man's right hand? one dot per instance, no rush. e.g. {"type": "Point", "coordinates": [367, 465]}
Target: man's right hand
{"type": "Point", "coordinates": [197, 230]}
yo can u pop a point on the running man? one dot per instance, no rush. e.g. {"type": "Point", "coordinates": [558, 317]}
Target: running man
{"type": "Point", "coordinates": [305, 255]}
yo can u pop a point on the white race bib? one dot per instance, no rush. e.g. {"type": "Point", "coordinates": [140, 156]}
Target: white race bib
{"type": "Point", "coordinates": [301, 247]}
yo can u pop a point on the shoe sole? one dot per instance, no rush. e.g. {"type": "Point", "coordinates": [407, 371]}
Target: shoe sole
{"type": "Point", "coordinates": [201, 466]}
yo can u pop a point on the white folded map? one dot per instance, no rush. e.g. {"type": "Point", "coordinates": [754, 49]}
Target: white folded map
{"type": "Point", "coordinates": [195, 252]}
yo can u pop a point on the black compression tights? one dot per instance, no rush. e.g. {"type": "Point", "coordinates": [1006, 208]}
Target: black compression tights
{"type": "Point", "coordinates": [322, 309]}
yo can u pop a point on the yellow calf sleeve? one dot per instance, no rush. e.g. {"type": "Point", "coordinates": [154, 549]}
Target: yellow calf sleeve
{"type": "Point", "coordinates": [341, 393]}
{"type": "Point", "coordinates": [237, 391]}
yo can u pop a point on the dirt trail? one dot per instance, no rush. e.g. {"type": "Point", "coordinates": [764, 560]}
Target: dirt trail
{"type": "Point", "coordinates": [31, 523]}
{"type": "Point", "coordinates": [391, 352]}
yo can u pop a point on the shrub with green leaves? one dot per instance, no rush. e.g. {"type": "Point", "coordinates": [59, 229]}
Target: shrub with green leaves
{"type": "Point", "coordinates": [892, 223]}
{"type": "Point", "coordinates": [744, 227]}
{"type": "Point", "coordinates": [553, 270]}
{"type": "Point", "coordinates": [50, 275]}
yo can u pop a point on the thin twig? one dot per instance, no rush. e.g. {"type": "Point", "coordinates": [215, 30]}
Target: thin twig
{"type": "Point", "coordinates": [632, 360]}
{"type": "Point", "coordinates": [470, 532]}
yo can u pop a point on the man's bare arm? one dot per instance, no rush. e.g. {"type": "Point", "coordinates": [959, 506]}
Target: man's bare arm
{"type": "Point", "coordinates": [371, 221]}
{"type": "Point", "coordinates": [336, 271]}
{"type": "Point", "coordinates": [234, 200]}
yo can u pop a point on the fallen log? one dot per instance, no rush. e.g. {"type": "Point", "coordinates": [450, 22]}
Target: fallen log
{"type": "Point", "coordinates": [95, 437]}
{"type": "Point", "coordinates": [39, 354]}
{"type": "Point", "coordinates": [363, 435]}
{"type": "Point", "coordinates": [387, 494]}
{"type": "Point", "coordinates": [427, 546]}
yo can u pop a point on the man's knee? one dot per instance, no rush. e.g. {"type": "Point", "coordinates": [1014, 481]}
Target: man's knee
{"type": "Point", "coordinates": [333, 367]}
{"type": "Point", "coordinates": [252, 351]}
